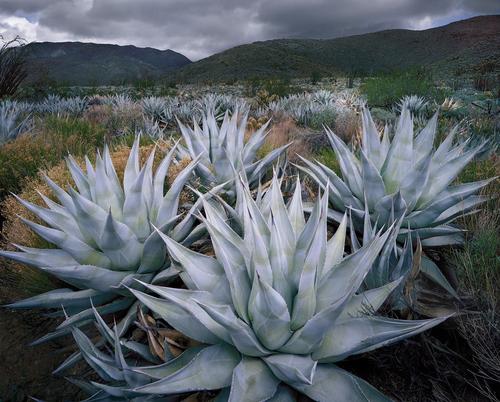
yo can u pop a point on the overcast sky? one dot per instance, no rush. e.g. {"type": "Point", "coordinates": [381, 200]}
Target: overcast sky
{"type": "Point", "coordinates": [199, 28]}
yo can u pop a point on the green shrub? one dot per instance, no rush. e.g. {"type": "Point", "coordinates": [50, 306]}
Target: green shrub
{"type": "Point", "coordinates": [327, 157]}
{"type": "Point", "coordinates": [385, 90]}
{"type": "Point", "coordinates": [324, 118]}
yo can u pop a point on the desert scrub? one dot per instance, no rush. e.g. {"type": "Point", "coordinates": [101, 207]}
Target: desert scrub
{"type": "Point", "coordinates": [325, 117]}
{"type": "Point", "coordinates": [478, 271]}
{"type": "Point", "coordinates": [385, 90]}
{"type": "Point", "coordinates": [24, 157]}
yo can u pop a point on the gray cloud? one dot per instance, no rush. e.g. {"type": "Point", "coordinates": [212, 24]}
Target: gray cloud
{"type": "Point", "coordinates": [199, 28]}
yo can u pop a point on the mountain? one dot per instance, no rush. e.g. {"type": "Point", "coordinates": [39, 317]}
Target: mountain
{"type": "Point", "coordinates": [456, 48]}
{"type": "Point", "coordinates": [76, 63]}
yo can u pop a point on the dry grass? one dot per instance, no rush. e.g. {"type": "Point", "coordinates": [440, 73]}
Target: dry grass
{"type": "Point", "coordinates": [283, 132]}
{"type": "Point", "coordinates": [347, 126]}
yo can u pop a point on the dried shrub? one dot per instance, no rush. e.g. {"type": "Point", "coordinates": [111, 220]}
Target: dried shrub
{"type": "Point", "coordinates": [347, 126]}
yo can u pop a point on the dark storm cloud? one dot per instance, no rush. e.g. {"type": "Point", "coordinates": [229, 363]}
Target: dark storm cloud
{"type": "Point", "coordinates": [198, 28]}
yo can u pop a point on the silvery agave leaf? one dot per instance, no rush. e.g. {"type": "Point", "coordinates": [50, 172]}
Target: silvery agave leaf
{"type": "Point", "coordinates": [103, 234]}
{"type": "Point", "coordinates": [276, 307]}
{"type": "Point", "coordinates": [223, 150]}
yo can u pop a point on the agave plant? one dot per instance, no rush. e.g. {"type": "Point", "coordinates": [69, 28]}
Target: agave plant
{"type": "Point", "coordinates": [404, 178]}
{"type": "Point", "coordinates": [272, 312]}
{"type": "Point", "coordinates": [224, 153]}
{"type": "Point", "coordinates": [103, 234]}
{"type": "Point", "coordinates": [157, 109]}
{"type": "Point", "coordinates": [12, 123]}
{"type": "Point", "coordinates": [414, 103]}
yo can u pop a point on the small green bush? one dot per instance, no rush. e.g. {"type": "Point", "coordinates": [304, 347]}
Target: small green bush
{"type": "Point", "coordinates": [325, 118]}
{"type": "Point", "coordinates": [387, 89]}
{"type": "Point", "coordinates": [327, 157]}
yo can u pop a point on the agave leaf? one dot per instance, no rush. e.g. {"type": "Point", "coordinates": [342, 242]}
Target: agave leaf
{"type": "Point", "coordinates": [280, 263]}
{"type": "Point", "coordinates": [56, 219]}
{"type": "Point", "coordinates": [234, 267]}
{"type": "Point", "coordinates": [242, 336]}
{"type": "Point", "coordinates": [374, 187]}
{"type": "Point", "coordinates": [461, 208]}
{"type": "Point", "coordinates": [415, 182]}
{"type": "Point", "coordinates": [135, 208]}
{"type": "Point", "coordinates": [333, 384]}
{"type": "Point", "coordinates": [348, 164]}
{"type": "Point", "coordinates": [368, 301]}
{"type": "Point", "coordinates": [363, 334]}
{"type": "Point", "coordinates": [105, 195]}
{"type": "Point", "coordinates": [283, 394]}
{"type": "Point", "coordinates": [39, 257]}
{"type": "Point", "coordinates": [258, 168]}
{"type": "Point", "coordinates": [424, 141]}
{"type": "Point", "coordinates": [444, 176]}
{"type": "Point", "coordinates": [204, 272]}
{"type": "Point", "coordinates": [111, 173]}
{"type": "Point", "coordinates": [291, 368]}
{"type": "Point", "coordinates": [296, 210]}
{"type": "Point", "coordinates": [269, 314]}
{"type": "Point", "coordinates": [347, 276]}
{"type": "Point", "coordinates": [304, 304]}
{"type": "Point", "coordinates": [88, 276]}
{"type": "Point", "coordinates": [431, 270]}
{"type": "Point", "coordinates": [61, 195]}
{"type": "Point", "coordinates": [335, 248]}
{"type": "Point", "coordinates": [113, 307]}
{"type": "Point", "coordinates": [252, 381]}
{"type": "Point", "coordinates": [210, 369]}
{"type": "Point", "coordinates": [170, 367]}
{"type": "Point", "coordinates": [100, 362]}
{"type": "Point", "coordinates": [170, 202]}
{"type": "Point", "coordinates": [371, 141]}
{"type": "Point", "coordinates": [69, 362]}
{"type": "Point", "coordinates": [120, 245]}
{"type": "Point", "coordinates": [78, 177]}
{"type": "Point", "coordinates": [132, 167]}
{"type": "Point", "coordinates": [64, 297]}
{"type": "Point", "coordinates": [400, 158]}
{"type": "Point", "coordinates": [176, 307]}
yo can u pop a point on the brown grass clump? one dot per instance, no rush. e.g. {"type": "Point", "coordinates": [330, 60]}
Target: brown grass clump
{"type": "Point", "coordinates": [283, 132]}
{"type": "Point", "coordinates": [347, 126]}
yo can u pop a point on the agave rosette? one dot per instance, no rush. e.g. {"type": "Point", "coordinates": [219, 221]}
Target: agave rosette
{"type": "Point", "coordinates": [273, 311]}
{"type": "Point", "coordinates": [224, 152]}
{"type": "Point", "coordinates": [405, 177]}
{"type": "Point", "coordinates": [103, 234]}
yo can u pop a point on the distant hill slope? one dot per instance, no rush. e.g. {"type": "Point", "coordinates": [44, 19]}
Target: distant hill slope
{"type": "Point", "coordinates": [458, 47]}
{"type": "Point", "coordinates": [76, 63]}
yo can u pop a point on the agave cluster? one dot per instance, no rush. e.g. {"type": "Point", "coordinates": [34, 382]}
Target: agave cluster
{"type": "Point", "coordinates": [223, 152]}
{"type": "Point", "coordinates": [305, 107]}
{"type": "Point", "coordinates": [403, 178]}
{"type": "Point", "coordinates": [54, 104]}
{"type": "Point", "coordinates": [104, 234]}
{"type": "Point", "coordinates": [13, 121]}
{"type": "Point", "coordinates": [272, 312]}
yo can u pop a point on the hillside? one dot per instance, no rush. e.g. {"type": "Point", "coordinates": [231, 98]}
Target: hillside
{"type": "Point", "coordinates": [455, 48]}
{"type": "Point", "coordinates": [76, 63]}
